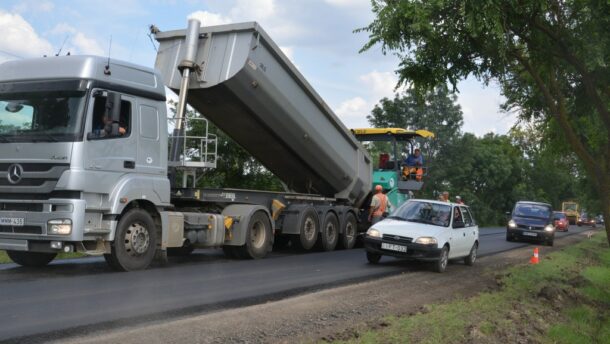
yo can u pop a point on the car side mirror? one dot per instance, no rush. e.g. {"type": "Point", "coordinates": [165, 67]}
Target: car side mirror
{"type": "Point", "coordinates": [458, 224]}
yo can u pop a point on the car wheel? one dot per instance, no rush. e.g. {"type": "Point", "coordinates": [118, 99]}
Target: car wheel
{"type": "Point", "coordinates": [509, 237]}
{"type": "Point", "coordinates": [469, 260]}
{"type": "Point", "coordinates": [441, 264]}
{"type": "Point", "coordinates": [373, 258]}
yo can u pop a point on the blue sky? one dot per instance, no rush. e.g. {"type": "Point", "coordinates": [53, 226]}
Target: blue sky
{"type": "Point", "coordinates": [317, 35]}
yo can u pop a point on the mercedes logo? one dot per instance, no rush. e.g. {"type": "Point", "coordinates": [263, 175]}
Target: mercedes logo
{"type": "Point", "coordinates": [15, 172]}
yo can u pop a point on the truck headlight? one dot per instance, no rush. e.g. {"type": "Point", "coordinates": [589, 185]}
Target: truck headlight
{"type": "Point", "coordinates": [549, 228]}
{"type": "Point", "coordinates": [61, 226]}
{"type": "Point", "coordinates": [373, 233]}
{"type": "Point", "coordinates": [426, 241]}
{"type": "Point", "coordinates": [512, 224]}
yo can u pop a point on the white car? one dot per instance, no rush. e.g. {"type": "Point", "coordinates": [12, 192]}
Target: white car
{"type": "Point", "coordinates": [425, 230]}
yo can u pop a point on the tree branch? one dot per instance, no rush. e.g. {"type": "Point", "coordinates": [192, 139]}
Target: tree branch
{"type": "Point", "coordinates": [559, 112]}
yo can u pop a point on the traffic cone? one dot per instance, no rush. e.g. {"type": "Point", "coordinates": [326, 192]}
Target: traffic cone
{"type": "Point", "coordinates": [534, 259]}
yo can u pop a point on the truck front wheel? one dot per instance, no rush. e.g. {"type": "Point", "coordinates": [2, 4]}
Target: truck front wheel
{"type": "Point", "coordinates": [31, 259]}
{"type": "Point", "coordinates": [134, 243]}
{"type": "Point", "coordinates": [258, 237]}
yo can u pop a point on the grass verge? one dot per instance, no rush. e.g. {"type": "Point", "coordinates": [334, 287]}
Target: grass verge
{"type": "Point", "coordinates": [564, 299]}
{"type": "Point", "coordinates": [4, 259]}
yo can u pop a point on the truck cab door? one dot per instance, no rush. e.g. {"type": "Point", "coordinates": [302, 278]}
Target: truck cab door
{"type": "Point", "coordinates": [106, 152]}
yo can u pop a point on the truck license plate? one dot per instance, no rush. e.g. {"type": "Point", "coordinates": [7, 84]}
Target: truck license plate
{"type": "Point", "coordinates": [11, 221]}
{"type": "Point", "coordinates": [392, 247]}
{"type": "Point", "coordinates": [532, 234]}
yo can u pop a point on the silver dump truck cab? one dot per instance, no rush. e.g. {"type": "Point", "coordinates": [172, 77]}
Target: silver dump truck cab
{"type": "Point", "coordinates": [65, 180]}
{"type": "Point", "coordinates": [89, 163]}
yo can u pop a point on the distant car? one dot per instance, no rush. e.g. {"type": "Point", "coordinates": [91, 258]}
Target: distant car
{"type": "Point", "coordinates": [560, 220]}
{"type": "Point", "coordinates": [425, 230]}
{"type": "Point", "coordinates": [584, 220]}
{"type": "Point", "coordinates": [599, 220]}
{"type": "Point", "coordinates": [531, 220]}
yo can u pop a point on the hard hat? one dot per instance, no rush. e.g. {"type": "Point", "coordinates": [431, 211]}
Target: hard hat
{"type": "Point", "coordinates": [378, 188]}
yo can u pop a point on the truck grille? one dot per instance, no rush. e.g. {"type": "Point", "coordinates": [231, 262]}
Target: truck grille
{"type": "Point", "coordinates": [397, 239]}
{"type": "Point", "coordinates": [33, 207]}
{"type": "Point", "coordinates": [34, 178]}
{"type": "Point", "coordinates": [21, 230]}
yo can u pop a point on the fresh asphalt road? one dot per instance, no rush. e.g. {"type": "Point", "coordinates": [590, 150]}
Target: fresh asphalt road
{"type": "Point", "coordinates": [82, 294]}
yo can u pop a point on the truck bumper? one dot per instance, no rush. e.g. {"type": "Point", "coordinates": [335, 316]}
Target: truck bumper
{"type": "Point", "coordinates": [24, 224]}
{"type": "Point", "coordinates": [414, 251]}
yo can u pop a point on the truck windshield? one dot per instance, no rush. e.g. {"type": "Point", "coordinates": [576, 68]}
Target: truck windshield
{"type": "Point", "coordinates": [41, 116]}
{"type": "Point", "coordinates": [424, 212]}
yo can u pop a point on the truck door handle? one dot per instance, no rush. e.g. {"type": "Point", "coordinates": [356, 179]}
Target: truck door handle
{"type": "Point", "coordinates": [129, 164]}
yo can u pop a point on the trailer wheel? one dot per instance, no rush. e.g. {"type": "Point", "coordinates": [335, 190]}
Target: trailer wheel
{"type": "Point", "coordinates": [31, 259]}
{"type": "Point", "coordinates": [135, 242]}
{"type": "Point", "coordinates": [258, 237]}
{"type": "Point", "coordinates": [347, 240]}
{"type": "Point", "coordinates": [329, 233]}
{"type": "Point", "coordinates": [308, 229]}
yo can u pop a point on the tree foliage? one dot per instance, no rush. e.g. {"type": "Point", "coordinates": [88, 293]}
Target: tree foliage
{"type": "Point", "coordinates": [549, 56]}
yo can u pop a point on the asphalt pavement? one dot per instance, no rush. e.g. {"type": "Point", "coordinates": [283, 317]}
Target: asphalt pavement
{"type": "Point", "coordinates": [81, 294]}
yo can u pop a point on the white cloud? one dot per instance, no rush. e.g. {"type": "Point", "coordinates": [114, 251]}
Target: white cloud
{"type": "Point", "coordinates": [356, 4]}
{"type": "Point", "coordinates": [25, 6]}
{"type": "Point", "coordinates": [481, 108]}
{"type": "Point", "coordinates": [19, 37]}
{"type": "Point", "coordinates": [252, 9]}
{"type": "Point", "coordinates": [209, 19]}
{"type": "Point", "coordinates": [381, 84]}
{"type": "Point", "coordinates": [78, 42]}
{"type": "Point", "coordinates": [352, 112]}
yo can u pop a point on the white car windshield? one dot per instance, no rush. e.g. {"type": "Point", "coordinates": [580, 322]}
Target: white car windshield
{"type": "Point", "coordinates": [424, 212]}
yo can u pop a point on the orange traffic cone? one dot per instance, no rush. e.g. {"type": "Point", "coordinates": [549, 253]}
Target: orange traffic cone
{"type": "Point", "coordinates": [534, 259]}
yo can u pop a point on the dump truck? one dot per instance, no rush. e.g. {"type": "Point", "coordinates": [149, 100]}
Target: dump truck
{"type": "Point", "coordinates": [570, 208]}
{"type": "Point", "coordinates": [91, 162]}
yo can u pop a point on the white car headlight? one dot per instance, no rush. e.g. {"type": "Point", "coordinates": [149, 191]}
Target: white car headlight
{"type": "Point", "coordinates": [512, 224]}
{"type": "Point", "coordinates": [426, 241]}
{"type": "Point", "coordinates": [373, 233]}
{"type": "Point", "coordinates": [63, 226]}
{"type": "Point", "coordinates": [549, 228]}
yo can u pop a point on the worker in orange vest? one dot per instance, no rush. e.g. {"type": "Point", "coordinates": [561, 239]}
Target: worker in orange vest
{"type": "Point", "coordinates": [379, 204]}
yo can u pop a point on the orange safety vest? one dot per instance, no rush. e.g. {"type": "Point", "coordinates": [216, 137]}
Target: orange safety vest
{"type": "Point", "coordinates": [383, 202]}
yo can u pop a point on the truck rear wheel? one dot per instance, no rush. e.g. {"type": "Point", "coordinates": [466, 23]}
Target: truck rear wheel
{"type": "Point", "coordinates": [134, 243]}
{"type": "Point", "coordinates": [329, 235]}
{"type": "Point", "coordinates": [347, 239]}
{"type": "Point", "coordinates": [258, 237]}
{"type": "Point", "coordinates": [308, 229]}
{"type": "Point", "coordinates": [31, 259]}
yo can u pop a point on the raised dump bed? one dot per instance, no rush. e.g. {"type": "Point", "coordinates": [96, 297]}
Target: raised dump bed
{"type": "Point", "coordinates": [248, 88]}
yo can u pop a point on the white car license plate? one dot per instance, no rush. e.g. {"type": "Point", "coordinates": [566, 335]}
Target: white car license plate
{"type": "Point", "coordinates": [532, 234]}
{"type": "Point", "coordinates": [392, 247]}
{"type": "Point", "coordinates": [11, 221]}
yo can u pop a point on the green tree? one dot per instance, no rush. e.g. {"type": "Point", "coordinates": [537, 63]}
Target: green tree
{"type": "Point", "coordinates": [235, 167]}
{"type": "Point", "coordinates": [549, 56]}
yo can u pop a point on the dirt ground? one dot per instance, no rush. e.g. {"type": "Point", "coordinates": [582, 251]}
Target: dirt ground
{"type": "Point", "coordinates": [337, 313]}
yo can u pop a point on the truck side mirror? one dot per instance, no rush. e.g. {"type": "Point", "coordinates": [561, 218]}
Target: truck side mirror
{"type": "Point", "coordinates": [113, 112]}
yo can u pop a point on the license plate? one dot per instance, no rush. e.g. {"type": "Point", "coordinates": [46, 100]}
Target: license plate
{"type": "Point", "coordinates": [532, 234]}
{"type": "Point", "coordinates": [11, 221]}
{"type": "Point", "coordinates": [392, 247]}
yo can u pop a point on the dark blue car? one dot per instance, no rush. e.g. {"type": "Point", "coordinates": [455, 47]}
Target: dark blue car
{"type": "Point", "coordinates": [531, 221]}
